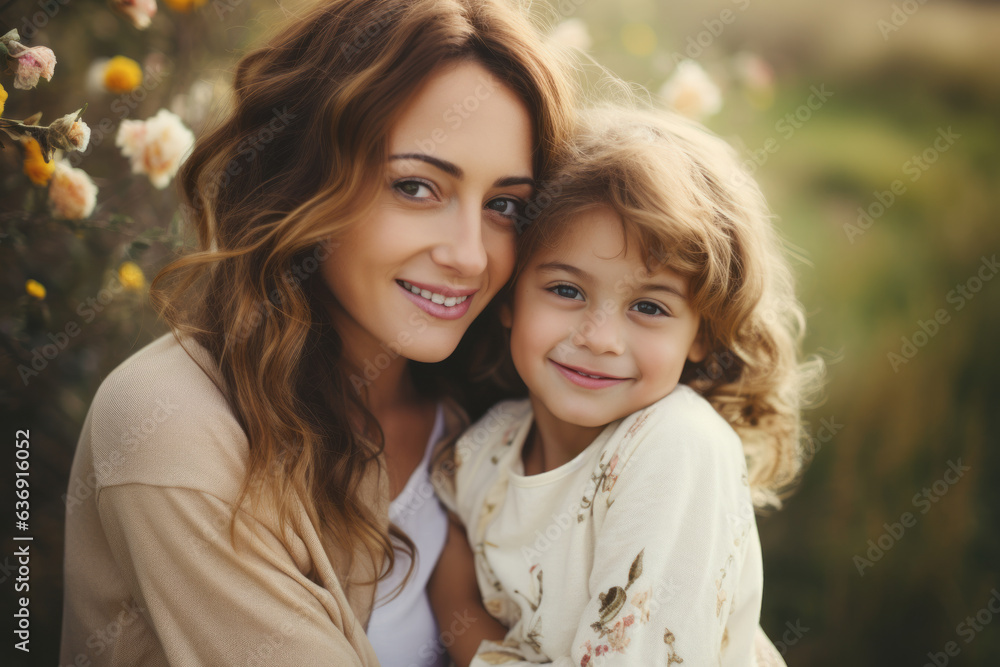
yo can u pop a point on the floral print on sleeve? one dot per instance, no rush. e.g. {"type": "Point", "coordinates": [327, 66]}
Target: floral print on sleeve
{"type": "Point", "coordinates": [606, 476]}
{"type": "Point", "coordinates": [614, 626]}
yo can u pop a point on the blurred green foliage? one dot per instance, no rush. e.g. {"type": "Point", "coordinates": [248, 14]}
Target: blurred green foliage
{"type": "Point", "coordinates": [849, 579]}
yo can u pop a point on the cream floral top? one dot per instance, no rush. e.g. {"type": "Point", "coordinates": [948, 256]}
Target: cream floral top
{"type": "Point", "coordinates": [643, 550]}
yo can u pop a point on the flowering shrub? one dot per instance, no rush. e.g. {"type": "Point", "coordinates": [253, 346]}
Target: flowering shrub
{"type": "Point", "coordinates": [156, 146]}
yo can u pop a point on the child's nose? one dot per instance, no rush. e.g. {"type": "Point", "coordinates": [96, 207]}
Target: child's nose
{"type": "Point", "coordinates": [600, 333]}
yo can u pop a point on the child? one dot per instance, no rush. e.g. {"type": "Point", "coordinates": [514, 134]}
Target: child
{"type": "Point", "coordinates": [654, 323]}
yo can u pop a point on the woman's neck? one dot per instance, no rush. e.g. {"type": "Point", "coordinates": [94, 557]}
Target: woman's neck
{"type": "Point", "coordinates": [554, 442]}
{"type": "Point", "coordinates": [391, 392]}
{"type": "Point", "coordinates": [384, 387]}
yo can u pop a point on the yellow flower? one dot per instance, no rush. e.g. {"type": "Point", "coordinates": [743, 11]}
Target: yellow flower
{"type": "Point", "coordinates": [184, 5]}
{"type": "Point", "coordinates": [35, 289]}
{"type": "Point", "coordinates": [3, 98]}
{"type": "Point", "coordinates": [122, 75]}
{"type": "Point", "coordinates": [639, 39]}
{"type": "Point", "coordinates": [131, 276]}
{"type": "Point", "coordinates": [35, 166]}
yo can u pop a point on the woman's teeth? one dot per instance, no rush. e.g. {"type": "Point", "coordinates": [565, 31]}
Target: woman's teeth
{"type": "Point", "coordinates": [440, 299]}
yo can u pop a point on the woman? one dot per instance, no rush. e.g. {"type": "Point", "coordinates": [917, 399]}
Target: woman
{"type": "Point", "coordinates": [230, 496]}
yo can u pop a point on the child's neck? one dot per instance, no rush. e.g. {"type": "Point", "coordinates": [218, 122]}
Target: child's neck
{"type": "Point", "coordinates": [554, 442]}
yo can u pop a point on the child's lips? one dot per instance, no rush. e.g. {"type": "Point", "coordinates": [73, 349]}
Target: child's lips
{"type": "Point", "coordinates": [587, 378]}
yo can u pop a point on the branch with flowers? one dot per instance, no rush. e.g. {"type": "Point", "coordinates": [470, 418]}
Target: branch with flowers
{"type": "Point", "coordinates": [63, 196]}
{"type": "Point", "coordinates": [98, 109]}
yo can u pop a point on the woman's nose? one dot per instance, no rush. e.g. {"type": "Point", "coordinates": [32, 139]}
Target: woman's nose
{"type": "Point", "coordinates": [462, 249]}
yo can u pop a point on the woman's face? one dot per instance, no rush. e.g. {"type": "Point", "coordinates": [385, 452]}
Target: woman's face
{"type": "Point", "coordinates": [439, 243]}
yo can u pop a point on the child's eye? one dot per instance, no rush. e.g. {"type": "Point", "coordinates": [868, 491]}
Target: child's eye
{"type": "Point", "coordinates": [649, 308]}
{"type": "Point", "coordinates": [414, 189]}
{"type": "Point", "coordinates": [567, 292]}
{"type": "Point", "coordinates": [506, 206]}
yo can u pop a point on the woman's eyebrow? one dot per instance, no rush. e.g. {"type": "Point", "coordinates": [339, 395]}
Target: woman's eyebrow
{"type": "Point", "coordinates": [455, 171]}
{"type": "Point", "coordinates": [449, 168]}
{"type": "Point", "coordinates": [510, 181]}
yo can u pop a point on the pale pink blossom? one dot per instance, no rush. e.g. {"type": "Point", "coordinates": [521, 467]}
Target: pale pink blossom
{"type": "Point", "coordinates": [72, 195]}
{"type": "Point", "coordinates": [572, 33]}
{"type": "Point", "coordinates": [691, 92]}
{"type": "Point", "coordinates": [69, 133]}
{"type": "Point", "coordinates": [641, 602]}
{"type": "Point", "coordinates": [32, 63]}
{"type": "Point", "coordinates": [156, 146]}
{"type": "Point", "coordinates": [754, 71]}
{"type": "Point", "coordinates": [757, 77]}
{"type": "Point", "coordinates": [616, 636]}
{"type": "Point", "coordinates": [139, 12]}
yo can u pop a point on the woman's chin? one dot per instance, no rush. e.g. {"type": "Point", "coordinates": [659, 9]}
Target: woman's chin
{"type": "Point", "coordinates": [430, 352]}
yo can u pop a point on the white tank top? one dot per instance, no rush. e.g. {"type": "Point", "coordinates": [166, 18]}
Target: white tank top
{"type": "Point", "coordinates": [403, 630]}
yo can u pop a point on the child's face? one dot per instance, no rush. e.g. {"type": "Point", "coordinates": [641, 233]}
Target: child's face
{"type": "Point", "coordinates": [588, 308]}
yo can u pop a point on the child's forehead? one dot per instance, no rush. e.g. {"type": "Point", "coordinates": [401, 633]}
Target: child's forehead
{"type": "Point", "coordinates": [599, 236]}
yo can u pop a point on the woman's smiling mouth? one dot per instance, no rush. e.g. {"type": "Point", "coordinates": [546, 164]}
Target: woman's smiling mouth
{"type": "Point", "coordinates": [436, 297]}
{"type": "Point", "coordinates": [441, 302]}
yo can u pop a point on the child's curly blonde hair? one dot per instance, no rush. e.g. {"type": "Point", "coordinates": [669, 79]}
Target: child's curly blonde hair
{"type": "Point", "coordinates": [684, 200]}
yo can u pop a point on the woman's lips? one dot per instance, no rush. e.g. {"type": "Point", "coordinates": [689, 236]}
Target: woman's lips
{"type": "Point", "coordinates": [583, 378]}
{"type": "Point", "coordinates": [443, 290]}
{"type": "Point", "coordinates": [441, 302]}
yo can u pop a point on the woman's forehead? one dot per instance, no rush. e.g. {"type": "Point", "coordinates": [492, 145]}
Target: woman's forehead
{"type": "Point", "coordinates": [464, 117]}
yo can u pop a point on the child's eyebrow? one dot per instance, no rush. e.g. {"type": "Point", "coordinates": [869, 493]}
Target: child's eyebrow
{"type": "Point", "coordinates": [552, 267]}
{"type": "Point", "coordinates": [657, 287]}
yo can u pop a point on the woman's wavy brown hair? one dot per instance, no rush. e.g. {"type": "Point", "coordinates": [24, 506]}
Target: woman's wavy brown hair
{"type": "Point", "coordinates": [687, 205]}
{"type": "Point", "coordinates": [296, 162]}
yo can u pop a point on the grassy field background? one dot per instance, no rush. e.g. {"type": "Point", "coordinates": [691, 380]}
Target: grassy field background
{"type": "Point", "coordinates": [873, 128]}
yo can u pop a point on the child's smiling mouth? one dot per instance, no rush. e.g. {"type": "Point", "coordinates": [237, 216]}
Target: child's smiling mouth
{"type": "Point", "coordinates": [584, 377]}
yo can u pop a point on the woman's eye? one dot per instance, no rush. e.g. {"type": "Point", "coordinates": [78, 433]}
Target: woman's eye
{"type": "Point", "coordinates": [648, 308]}
{"type": "Point", "coordinates": [505, 206]}
{"type": "Point", "coordinates": [566, 292]}
{"type": "Point", "coordinates": [415, 189]}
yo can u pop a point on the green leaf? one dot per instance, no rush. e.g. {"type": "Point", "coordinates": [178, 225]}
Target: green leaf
{"type": "Point", "coordinates": [10, 35]}
{"type": "Point", "coordinates": [636, 570]}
